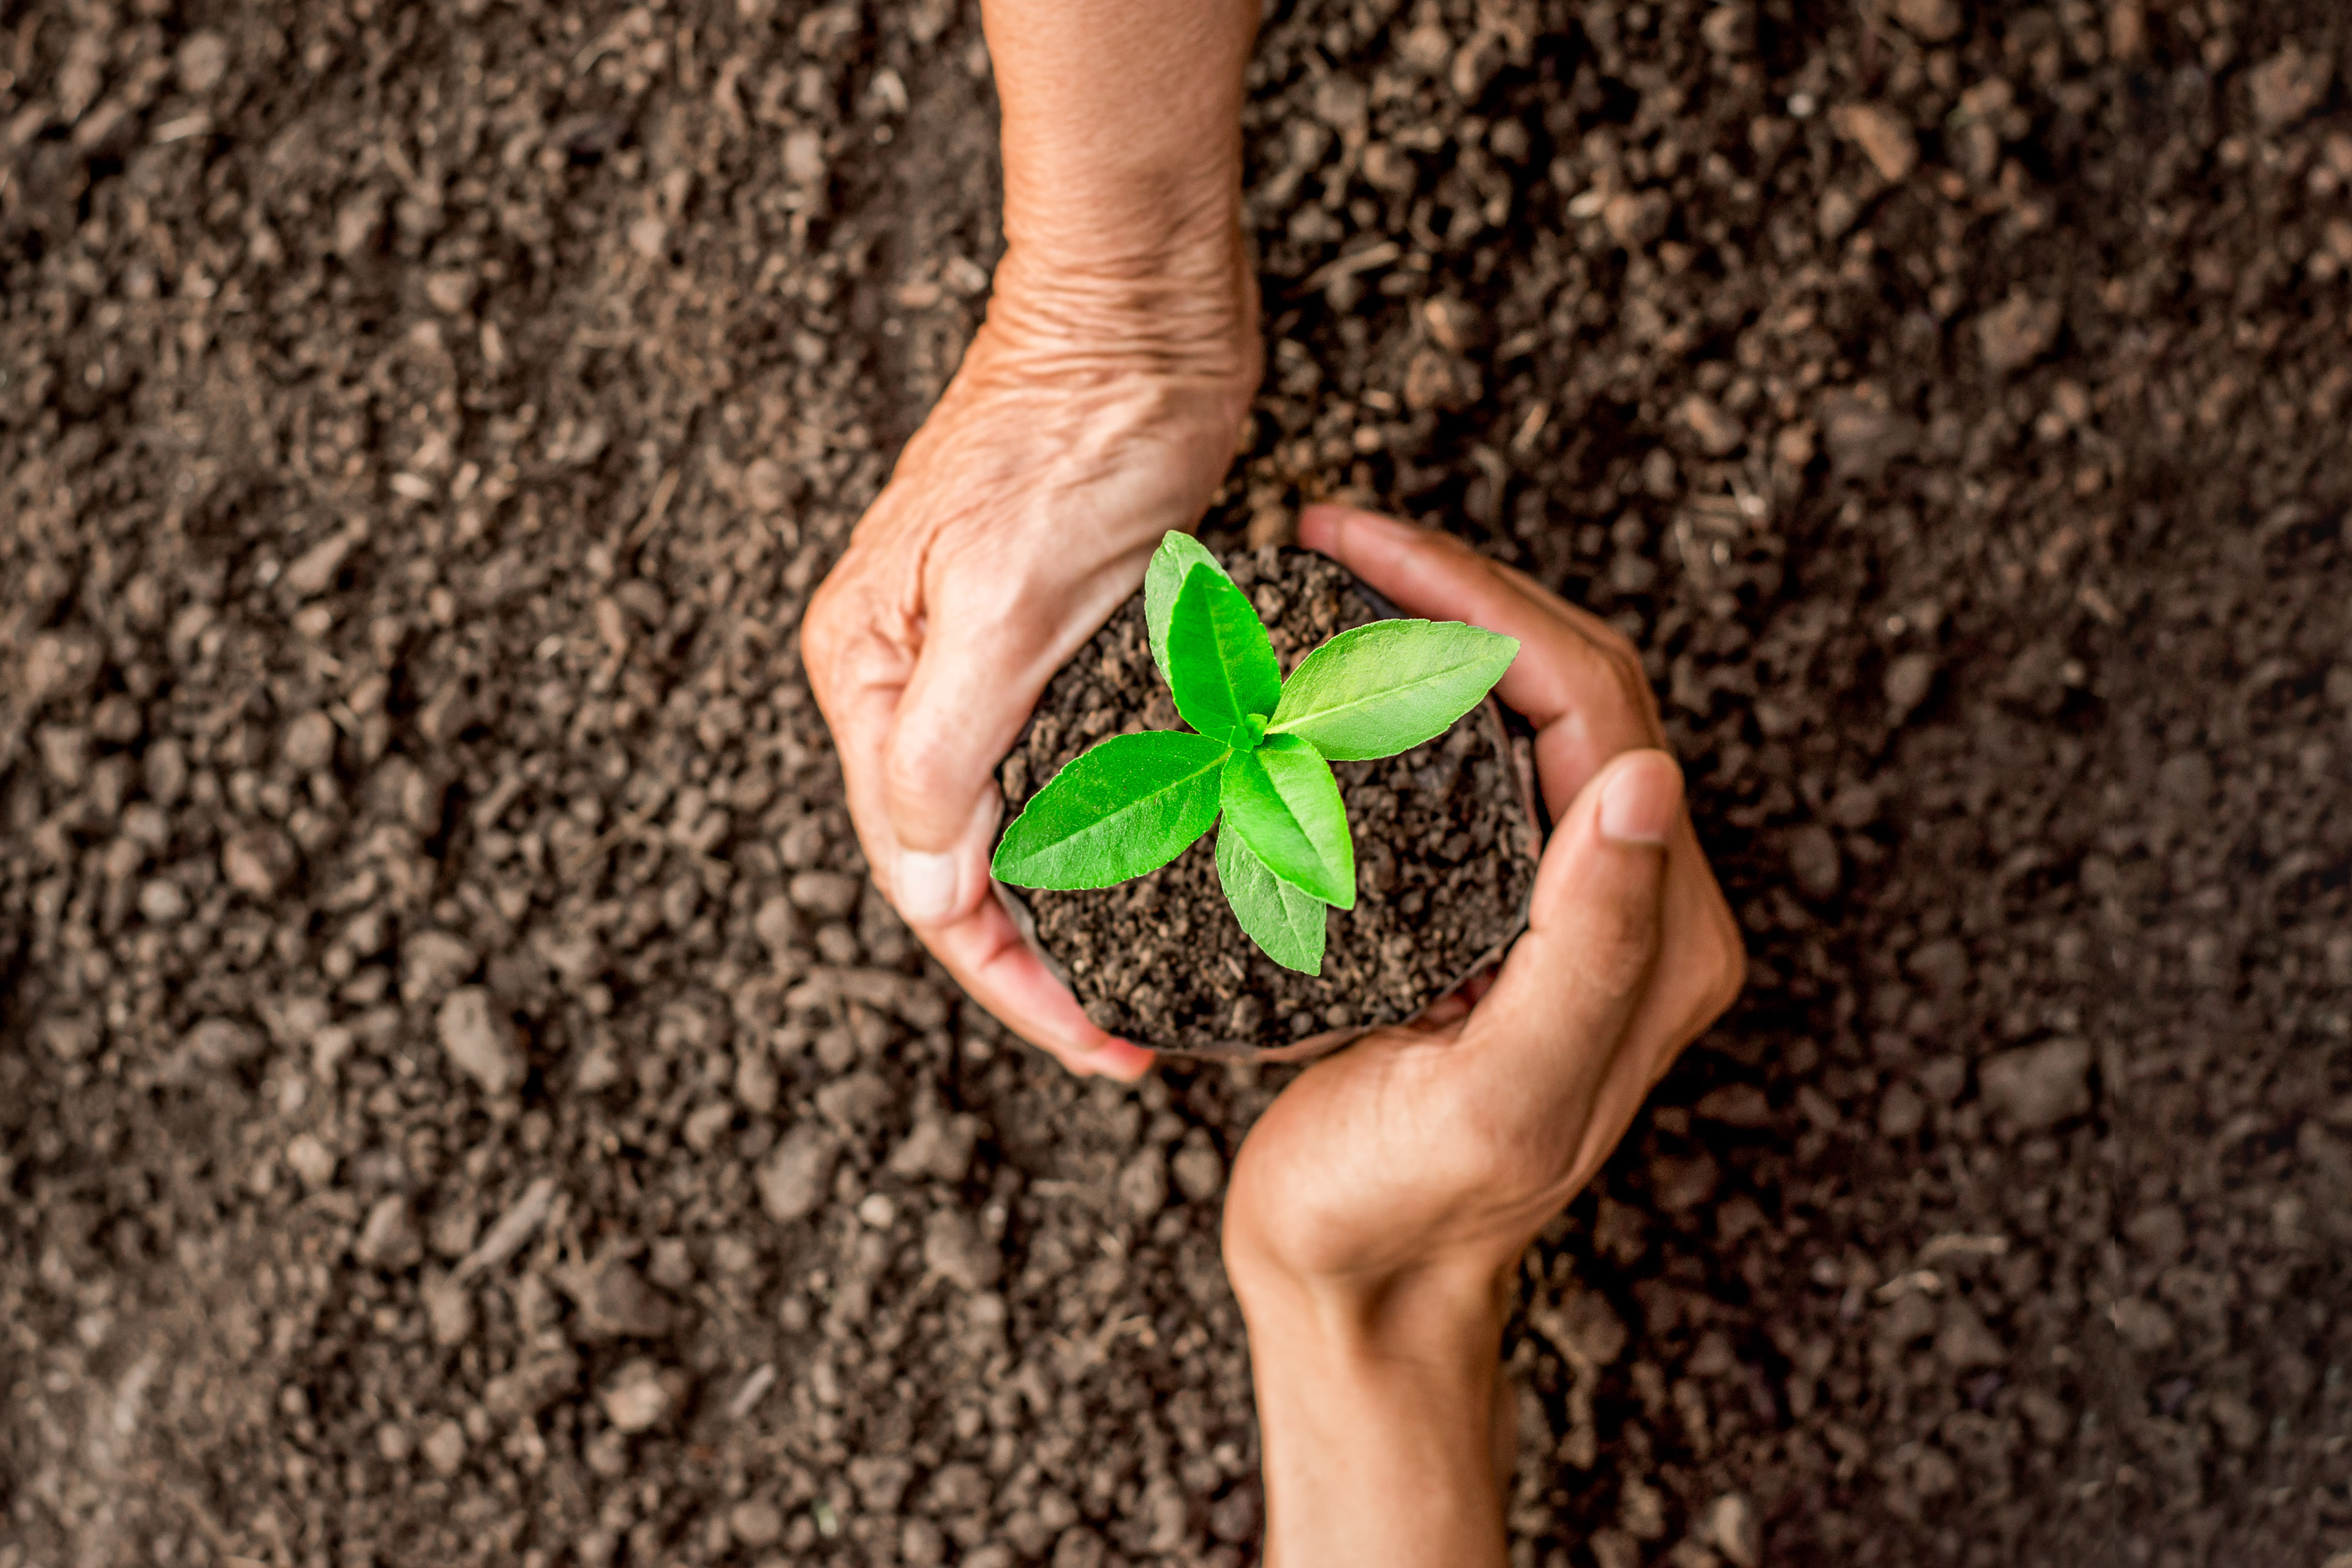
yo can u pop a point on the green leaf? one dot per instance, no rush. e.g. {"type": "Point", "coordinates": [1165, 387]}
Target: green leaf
{"type": "Point", "coordinates": [1388, 687]}
{"type": "Point", "coordinates": [1284, 922]}
{"type": "Point", "coordinates": [1221, 667]}
{"type": "Point", "coordinates": [1283, 802]}
{"type": "Point", "coordinates": [1171, 564]}
{"type": "Point", "coordinates": [1124, 807]}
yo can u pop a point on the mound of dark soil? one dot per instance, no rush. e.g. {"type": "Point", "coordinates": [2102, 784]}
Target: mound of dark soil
{"type": "Point", "coordinates": [421, 426]}
{"type": "Point", "coordinates": [1444, 854]}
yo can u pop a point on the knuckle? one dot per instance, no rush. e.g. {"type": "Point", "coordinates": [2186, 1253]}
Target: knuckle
{"type": "Point", "coordinates": [1730, 978]}
{"type": "Point", "coordinates": [1504, 1157]}
{"type": "Point", "coordinates": [1722, 968]}
{"type": "Point", "coordinates": [1616, 959]}
{"type": "Point", "coordinates": [822, 630]}
{"type": "Point", "coordinates": [1640, 699]}
{"type": "Point", "coordinates": [913, 766]}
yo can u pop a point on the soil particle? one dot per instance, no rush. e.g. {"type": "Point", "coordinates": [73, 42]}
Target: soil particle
{"type": "Point", "coordinates": [310, 743]}
{"type": "Point", "coordinates": [1963, 1343]}
{"type": "Point", "coordinates": [795, 1178]}
{"type": "Point", "coordinates": [443, 1448]}
{"type": "Point", "coordinates": [2143, 1325]}
{"type": "Point", "coordinates": [643, 1395]}
{"type": "Point", "coordinates": [955, 1250]}
{"type": "Point", "coordinates": [615, 1301]}
{"type": "Point", "coordinates": [1143, 1184]}
{"type": "Point", "coordinates": [2017, 331]}
{"type": "Point", "coordinates": [534, 1384]}
{"type": "Point", "coordinates": [200, 61]}
{"type": "Point", "coordinates": [1814, 860]}
{"type": "Point", "coordinates": [480, 1039]}
{"type": "Point", "coordinates": [432, 964]}
{"type": "Point", "coordinates": [1729, 1525]}
{"type": "Point", "coordinates": [258, 862]}
{"type": "Point", "coordinates": [2289, 86]}
{"type": "Point", "coordinates": [388, 1240]}
{"type": "Point", "coordinates": [449, 1310]}
{"type": "Point", "coordinates": [513, 1230]}
{"type": "Point", "coordinates": [1730, 30]}
{"type": "Point", "coordinates": [223, 1043]}
{"type": "Point", "coordinates": [755, 1522]}
{"type": "Point", "coordinates": [826, 894]}
{"type": "Point", "coordinates": [2039, 1086]}
{"type": "Point", "coordinates": [1199, 1171]}
{"type": "Point", "coordinates": [312, 1160]}
{"type": "Point", "coordinates": [1884, 138]}
{"type": "Point", "coordinates": [1932, 21]}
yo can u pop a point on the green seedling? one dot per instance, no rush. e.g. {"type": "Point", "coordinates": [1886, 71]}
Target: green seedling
{"type": "Point", "coordinates": [1259, 751]}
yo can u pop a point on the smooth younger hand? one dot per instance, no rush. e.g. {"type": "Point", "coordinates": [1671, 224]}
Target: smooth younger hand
{"type": "Point", "coordinates": [1379, 1209]}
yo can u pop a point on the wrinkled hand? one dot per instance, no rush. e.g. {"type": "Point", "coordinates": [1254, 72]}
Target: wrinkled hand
{"type": "Point", "coordinates": [1378, 1210]}
{"type": "Point", "coordinates": [1090, 415]}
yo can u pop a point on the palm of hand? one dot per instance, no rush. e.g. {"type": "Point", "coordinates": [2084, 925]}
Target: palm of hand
{"type": "Point", "coordinates": [1397, 1155]}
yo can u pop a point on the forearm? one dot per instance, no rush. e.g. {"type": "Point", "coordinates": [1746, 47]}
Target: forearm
{"type": "Point", "coordinates": [1122, 156]}
{"type": "Point", "coordinates": [1379, 1426]}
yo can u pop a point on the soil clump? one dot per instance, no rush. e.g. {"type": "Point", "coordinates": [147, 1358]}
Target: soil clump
{"type": "Point", "coordinates": [1444, 853]}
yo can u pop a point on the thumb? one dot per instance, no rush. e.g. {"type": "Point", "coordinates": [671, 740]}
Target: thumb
{"type": "Point", "coordinates": [1572, 982]}
{"type": "Point", "coordinates": [962, 708]}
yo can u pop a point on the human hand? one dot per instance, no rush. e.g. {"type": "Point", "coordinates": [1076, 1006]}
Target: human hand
{"type": "Point", "coordinates": [1093, 411]}
{"type": "Point", "coordinates": [1379, 1208]}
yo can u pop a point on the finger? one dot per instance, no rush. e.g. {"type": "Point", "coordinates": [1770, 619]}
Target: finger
{"type": "Point", "coordinates": [981, 948]}
{"type": "Point", "coordinates": [1575, 679]}
{"type": "Point", "coordinates": [1702, 968]}
{"type": "Point", "coordinates": [1591, 703]}
{"type": "Point", "coordinates": [963, 706]}
{"type": "Point", "coordinates": [993, 635]}
{"type": "Point", "coordinates": [1559, 1008]}
{"type": "Point", "coordinates": [984, 952]}
{"type": "Point", "coordinates": [858, 674]}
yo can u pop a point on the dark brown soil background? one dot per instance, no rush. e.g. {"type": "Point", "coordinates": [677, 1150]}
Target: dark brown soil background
{"type": "Point", "coordinates": [422, 425]}
{"type": "Point", "coordinates": [1445, 852]}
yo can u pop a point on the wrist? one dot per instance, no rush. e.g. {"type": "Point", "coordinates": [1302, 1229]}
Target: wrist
{"type": "Point", "coordinates": [1379, 1417]}
{"type": "Point", "coordinates": [1444, 1320]}
{"type": "Point", "coordinates": [1185, 307]}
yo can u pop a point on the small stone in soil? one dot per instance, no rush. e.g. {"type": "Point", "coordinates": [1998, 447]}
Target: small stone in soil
{"type": "Point", "coordinates": [615, 1301]}
{"type": "Point", "coordinates": [444, 1448]}
{"type": "Point", "coordinates": [388, 1240]}
{"type": "Point", "coordinates": [449, 1309]}
{"type": "Point", "coordinates": [643, 1395]}
{"type": "Point", "coordinates": [224, 1042]}
{"type": "Point", "coordinates": [2039, 1086]}
{"type": "Point", "coordinates": [480, 1040]}
{"type": "Point", "coordinates": [793, 1179]}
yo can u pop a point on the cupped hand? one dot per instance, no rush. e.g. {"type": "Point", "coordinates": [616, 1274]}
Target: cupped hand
{"type": "Point", "coordinates": [1090, 415]}
{"type": "Point", "coordinates": [1433, 1153]}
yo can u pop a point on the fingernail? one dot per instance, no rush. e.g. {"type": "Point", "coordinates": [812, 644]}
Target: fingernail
{"type": "Point", "coordinates": [925, 886]}
{"type": "Point", "coordinates": [1639, 805]}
